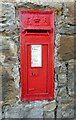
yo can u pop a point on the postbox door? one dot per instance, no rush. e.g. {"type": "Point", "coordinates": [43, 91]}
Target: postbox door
{"type": "Point", "coordinates": [37, 56]}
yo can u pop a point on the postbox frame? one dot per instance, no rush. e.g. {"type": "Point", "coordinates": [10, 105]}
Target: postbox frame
{"type": "Point", "coordinates": [23, 52]}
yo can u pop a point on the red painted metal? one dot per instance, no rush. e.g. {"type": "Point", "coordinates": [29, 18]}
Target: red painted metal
{"type": "Point", "coordinates": [37, 28]}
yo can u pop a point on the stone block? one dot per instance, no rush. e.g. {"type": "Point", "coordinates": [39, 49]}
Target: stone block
{"type": "Point", "coordinates": [62, 79]}
{"type": "Point", "coordinates": [67, 50]}
{"type": "Point", "coordinates": [9, 91]}
{"type": "Point", "coordinates": [50, 106]}
{"type": "Point", "coordinates": [71, 84]}
{"type": "Point", "coordinates": [10, 60]}
{"type": "Point", "coordinates": [65, 112]}
{"type": "Point", "coordinates": [49, 110]}
{"type": "Point", "coordinates": [35, 113]}
{"type": "Point", "coordinates": [59, 113]}
{"type": "Point", "coordinates": [34, 109]}
{"type": "Point", "coordinates": [70, 21]}
{"type": "Point", "coordinates": [16, 75]}
{"type": "Point", "coordinates": [72, 66]}
{"type": "Point", "coordinates": [68, 30]}
{"type": "Point", "coordinates": [72, 78]}
{"type": "Point", "coordinates": [7, 13]}
{"type": "Point", "coordinates": [65, 108]}
{"type": "Point", "coordinates": [65, 97]}
{"type": "Point", "coordinates": [7, 46]}
{"type": "Point", "coordinates": [63, 68]}
{"type": "Point", "coordinates": [62, 91]}
{"type": "Point", "coordinates": [2, 58]}
{"type": "Point", "coordinates": [70, 15]}
{"type": "Point", "coordinates": [68, 113]}
{"type": "Point", "coordinates": [49, 115]}
{"type": "Point", "coordinates": [70, 7]}
{"type": "Point", "coordinates": [7, 18]}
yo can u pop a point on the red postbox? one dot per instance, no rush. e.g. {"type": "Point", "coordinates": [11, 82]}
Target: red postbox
{"type": "Point", "coordinates": [37, 54]}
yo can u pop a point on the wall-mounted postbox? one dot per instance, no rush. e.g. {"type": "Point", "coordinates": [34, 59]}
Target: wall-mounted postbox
{"type": "Point", "coordinates": [37, 54]}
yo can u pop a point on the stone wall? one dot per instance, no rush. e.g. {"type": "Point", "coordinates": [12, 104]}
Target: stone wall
{"type": "Point", "coordinates": [63, 105]}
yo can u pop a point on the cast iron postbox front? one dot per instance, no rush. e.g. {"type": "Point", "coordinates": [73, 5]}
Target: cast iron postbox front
{"type": "Point", "coordinates": [37, 54]}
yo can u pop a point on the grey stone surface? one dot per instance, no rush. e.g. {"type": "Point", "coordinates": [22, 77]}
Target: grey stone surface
{"type": "Point", "coordinates": [37, 109]}
{"type": "Point", "coordinates": [65, 112]}
{"type": "Point", "coordinates": [0, 113]}
{"type": "Point", "coordinates": [62, 79]}
{"type": "Point", "coordinates": [66, 49]}
{"type": "Point", "coordinates": [71, 85]}
{"type": "Point", "coordinates": [70, 14]}
{"type": "Point", "coordinates": [67, 29]}
{"type": "Point", "coordinates": [71, 77]}
{"type": "Point", "coordinates": [63, 104]}
{"type": "Point", "coordinates": [49, 114]}
{"type": "Point", "coordinates": [7, 17]}
{"type": "Point", "coordinates": [51, 106]}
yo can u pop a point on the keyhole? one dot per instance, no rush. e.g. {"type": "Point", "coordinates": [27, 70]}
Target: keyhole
{"type": "Point", "coordinates": [32, 74]}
